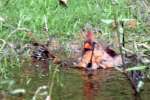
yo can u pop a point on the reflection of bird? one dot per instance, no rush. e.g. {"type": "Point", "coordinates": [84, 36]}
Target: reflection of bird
{"type": "Point", "coordinates": [91, 85]}
{"type": "Point", "coordinates": [88, 90]}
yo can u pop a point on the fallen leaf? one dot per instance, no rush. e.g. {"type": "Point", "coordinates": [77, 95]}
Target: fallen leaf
{"type": "Point", "coordinates": [29, 34]}
{"type": "Point", "coordinates": [132, 24]}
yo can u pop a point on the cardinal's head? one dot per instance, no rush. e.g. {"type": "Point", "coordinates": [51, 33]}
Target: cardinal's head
{"type": "Point", "coordinates": [90, 36]}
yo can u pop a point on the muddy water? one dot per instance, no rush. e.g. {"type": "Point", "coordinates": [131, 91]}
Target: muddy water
{"type": "Point", "coordinates": [101, 85]}
{"type": "Point", "coordinates": [79, 85]}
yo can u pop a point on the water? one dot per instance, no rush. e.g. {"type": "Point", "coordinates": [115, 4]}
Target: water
{"type": "Point", "coordinates": [102, 85]}
{"type": "Point", "coordinates": [79, 85]}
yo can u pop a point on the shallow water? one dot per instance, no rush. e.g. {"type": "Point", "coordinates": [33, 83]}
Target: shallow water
{"type": "Point", "coordinates": [102, 85]}
{"type": "Point", "coordinates": [79, 85]}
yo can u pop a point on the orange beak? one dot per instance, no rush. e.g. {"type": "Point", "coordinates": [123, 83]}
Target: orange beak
{"type": "Point", "coordinates": [87, 46]}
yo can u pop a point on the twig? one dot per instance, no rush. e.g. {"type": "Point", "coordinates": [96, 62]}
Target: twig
{"type": "Point", "coordinates": [127, 50]}
{"type": "Point", "coordinates": [144, 45]}
{"type": "Point", "coordinates": [120, 46]}
{"type": "Point", "coordinates": [145, 3]}
{"type": "Point", "coordinates": [46, 23]}
{"type": "Point", "coordinates": [52, 81]}
{"type": "Point", "coordinates": [3, 44]}
{"type": "Point", "coordinates": [124, 67]}
{"type": "Point", "coordinates": [135, 47]}
{"type": "Point", "coordinates": [38, 90]}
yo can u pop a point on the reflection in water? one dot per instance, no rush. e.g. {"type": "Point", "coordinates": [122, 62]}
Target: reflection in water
{"type": "Point", "coordinates": [98, 85]}
{"type": "Point", "coordinates": [91, 85]}
{"type": "Point", "coordinates": [44, 65]}
{"type": "Point", "coordinates": [94, 81]}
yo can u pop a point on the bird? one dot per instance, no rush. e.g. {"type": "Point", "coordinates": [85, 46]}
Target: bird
{"type": "Point", "coordinates": [95, 55]}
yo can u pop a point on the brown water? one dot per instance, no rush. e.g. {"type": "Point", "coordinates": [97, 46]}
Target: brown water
{"type": "Point", "coordinates": [78, 85]}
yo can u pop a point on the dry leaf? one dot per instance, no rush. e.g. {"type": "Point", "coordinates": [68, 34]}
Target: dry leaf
{"type": "Point", "coordinates": [29, 34]}
{"type": "Point", "coordinates": [132, 24]}
{"type": "Point", "coordinates": [56, 60]}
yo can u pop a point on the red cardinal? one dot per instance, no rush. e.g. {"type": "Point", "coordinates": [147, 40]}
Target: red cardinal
{"type": "Point", "coordinates": [89, 43]}
{"type": "Point", "coordinates": [100, 56]}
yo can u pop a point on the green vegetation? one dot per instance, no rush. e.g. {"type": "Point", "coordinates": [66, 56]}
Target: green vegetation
{"type": "Point", "coordinates": [18, 17]}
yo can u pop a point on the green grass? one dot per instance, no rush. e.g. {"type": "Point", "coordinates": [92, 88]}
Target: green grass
{"type": "Point", "coordinates": [61, 20]}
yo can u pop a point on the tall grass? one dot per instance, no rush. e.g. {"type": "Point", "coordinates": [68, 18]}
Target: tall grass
{"type": "Point", "coordinates": [61, 20]}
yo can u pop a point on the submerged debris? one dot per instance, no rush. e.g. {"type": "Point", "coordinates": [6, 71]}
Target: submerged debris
{"type": "Point", "coordinates": [137, 76]}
